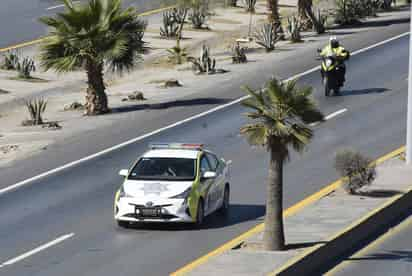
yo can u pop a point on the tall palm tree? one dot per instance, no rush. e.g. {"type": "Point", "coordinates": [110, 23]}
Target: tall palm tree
{"type": "Point", "coordinates": [281, 112]}
{"type": "Point", "coordinates": [92, 36]}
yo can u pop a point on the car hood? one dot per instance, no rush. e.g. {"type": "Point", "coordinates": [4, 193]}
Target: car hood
{"type": "Point", "coordinates": [164, 189]}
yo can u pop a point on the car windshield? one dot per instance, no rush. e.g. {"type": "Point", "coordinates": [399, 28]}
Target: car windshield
{"type": "Point", "coordinates": [164, 169]}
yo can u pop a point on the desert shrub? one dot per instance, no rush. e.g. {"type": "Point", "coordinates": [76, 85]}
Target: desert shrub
{"type": "Point", "coordinates": [358, 170]}
{"type": "Point", "coordinates": [267, 36]}
{"type": "Point", "coordinates": [36, 109]}
{"type": "Point", "coordinates": [204, 63]}
{"type": "Point", "coordinates": [10, 60]}
{"type": "Point", "coordinates": [25, 67]}
{"type": "Point", "coordinates": [238, 54]}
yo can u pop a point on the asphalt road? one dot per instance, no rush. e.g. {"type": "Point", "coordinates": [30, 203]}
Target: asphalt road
{"type": "Point", "coordinates": [19, 18]}
{"type": "Point", "coordinates": [390, 254]}
{"type": "Point", "coordinates": [79, 200]}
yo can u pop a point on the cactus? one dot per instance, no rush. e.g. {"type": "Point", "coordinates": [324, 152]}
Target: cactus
{"type": "Point", "coordinates": [36, 108]}
{"type": "Point", "coordinates": [173, 21]}
{"type": "Point", "coordinates": [250, 5]}
{"type": "Point", "coordinates": [268, 36]}
{"type": "Point", "coordinates": [204, 63]}
{"type": "Point", "coordinates": [294, 27]}
{"type": "Point", "coordinates": [198, 17]}
{"type": "Point", "coordinates": [238, 54]}
{"type": "Point", "coordinates": [25, 68]}
{"type": "Point", "coordinates": [10, 60]}
{"type": "Point", "coordinates": [170, 26]}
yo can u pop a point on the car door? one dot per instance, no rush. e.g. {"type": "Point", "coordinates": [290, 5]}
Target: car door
{"type": "Point", "coordinates": [206, 184]}
{"type": "Point", "coordinates": [218, 185]}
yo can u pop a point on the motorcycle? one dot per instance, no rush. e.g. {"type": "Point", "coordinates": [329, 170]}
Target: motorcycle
{"type": "Point", "coordinates": [331, 74]}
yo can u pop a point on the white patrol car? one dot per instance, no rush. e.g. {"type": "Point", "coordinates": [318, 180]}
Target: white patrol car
{"type": "Point", "coordinates": [173, 183]}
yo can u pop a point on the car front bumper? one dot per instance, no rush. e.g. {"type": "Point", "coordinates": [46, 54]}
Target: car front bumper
{"type": "Point", "coordinates": [168, 210]}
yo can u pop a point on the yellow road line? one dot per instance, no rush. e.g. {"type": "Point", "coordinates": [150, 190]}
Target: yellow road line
{"type": "Point", "coordinates": [288, 212]}
{"type": "Point", "coordinates": [36, 41]}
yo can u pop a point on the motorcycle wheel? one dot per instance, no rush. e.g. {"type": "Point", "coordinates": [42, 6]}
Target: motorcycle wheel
{"type": "Point", "coordinates": [326, 85]}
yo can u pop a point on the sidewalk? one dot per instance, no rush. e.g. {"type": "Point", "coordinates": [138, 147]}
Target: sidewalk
{"type": "Point", "coordinates": [304, 234]}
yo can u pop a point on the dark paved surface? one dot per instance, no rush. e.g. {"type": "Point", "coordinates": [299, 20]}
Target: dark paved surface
{"type": "Point", "coordinates": [80, 199]}
{"type": "Point", "coordinates": [19, 18]}
{"type": "Point", "coordinates": [391, 254]}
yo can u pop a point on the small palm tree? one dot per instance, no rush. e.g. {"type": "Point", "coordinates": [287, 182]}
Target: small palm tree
{"type": "Point", "coordinates": [281, 112]}
{"type": "Point", "coordinates": [91, 36]}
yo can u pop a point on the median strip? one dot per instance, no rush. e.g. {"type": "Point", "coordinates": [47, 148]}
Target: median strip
{"type": "Point", "coordinates": [196, 266]}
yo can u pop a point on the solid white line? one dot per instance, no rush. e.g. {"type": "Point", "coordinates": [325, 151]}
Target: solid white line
{"type": "Point", "coordinates": [336, 113]}
{"type": "Point", "coordinates": [134, 140]}
{"type": "Point", "coordinates": [37, 250]}
{"type": "Point", "coordinates": [60, 6]}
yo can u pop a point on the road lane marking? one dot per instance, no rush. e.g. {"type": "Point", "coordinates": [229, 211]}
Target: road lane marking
{"type": "Point", "coordinates": [61, 6]}
{"type": "Point", "coordinates": [336, 113]}
{"type": "Point", "coordinates": [37, 250]}
{"type": "Point", "coordinates": [173, 125]}
{"type": "Point", "coordinates": [286, 213]}
{"type": "Point", "coordinates": [330, 116]}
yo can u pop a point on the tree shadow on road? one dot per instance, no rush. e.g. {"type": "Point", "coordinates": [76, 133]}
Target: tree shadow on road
{"type": "Point", "coordinates": [238, 213]}
{"type": "Point", "coordinates": [165, 105]}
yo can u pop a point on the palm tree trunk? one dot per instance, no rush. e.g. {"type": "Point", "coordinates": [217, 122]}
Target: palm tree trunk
{"type": "Point", "coordinates": [273, 16]}
{"type": "Point", "coordinates": [303, 7]}
{"type": "Point", "coordinates": [273, 236]}
{"type": "Point", "coordinates": [96, 98]}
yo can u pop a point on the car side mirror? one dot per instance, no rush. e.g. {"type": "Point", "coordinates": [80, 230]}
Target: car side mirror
{"type": "Point", "coordinates": [123, 172]}
{"type": "Point", "coordinates": [208, 175]}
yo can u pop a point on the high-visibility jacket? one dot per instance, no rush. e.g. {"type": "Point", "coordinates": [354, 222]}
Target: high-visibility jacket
{"type": "Point", "coordinates": [339, 52]}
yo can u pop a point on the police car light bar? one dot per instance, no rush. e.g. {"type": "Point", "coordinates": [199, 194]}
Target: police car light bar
{"type": "Point", "coordinates": [176, 146]}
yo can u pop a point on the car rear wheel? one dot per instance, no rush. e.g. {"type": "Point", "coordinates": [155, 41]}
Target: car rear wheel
{"type": "Point", "coordinates": [200, 214]}
{"type": "Point", "coordinates": [224, 209]}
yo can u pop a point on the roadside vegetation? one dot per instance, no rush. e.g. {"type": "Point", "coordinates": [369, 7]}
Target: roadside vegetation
{"type": "Point", "coordinates": [280, 116]}
{"type": "Point", "coordinates": [357, 169]}
{"type": "Point", "coordinates": [91, 37]}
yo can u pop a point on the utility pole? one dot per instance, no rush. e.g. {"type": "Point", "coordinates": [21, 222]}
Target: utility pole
{"type": "Point", "coordinates": [409, 118]}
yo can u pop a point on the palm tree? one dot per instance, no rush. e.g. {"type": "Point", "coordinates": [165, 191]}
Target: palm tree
{"type": "Point", "coordinates": [91, 36]}
{"type": "Point", "coordinates": [281, 112]}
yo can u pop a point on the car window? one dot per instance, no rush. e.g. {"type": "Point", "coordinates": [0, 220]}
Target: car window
{"type": "Point", "coordinates": [204, 164]}
{"type": "Point", "coordinates": [213, 161]}
{"type": "Point", "coordinates": [164, 169]}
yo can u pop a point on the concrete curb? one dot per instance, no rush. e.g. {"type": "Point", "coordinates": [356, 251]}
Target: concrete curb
{"type": "Point", "coordinates": [312, 261]}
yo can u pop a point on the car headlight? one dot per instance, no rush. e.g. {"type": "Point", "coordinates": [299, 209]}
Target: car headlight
{"type": "Point", "coordinates": [184, 195]}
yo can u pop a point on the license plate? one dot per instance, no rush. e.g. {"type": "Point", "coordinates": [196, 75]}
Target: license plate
{"type": "Point", "coordinates": [149, 212]}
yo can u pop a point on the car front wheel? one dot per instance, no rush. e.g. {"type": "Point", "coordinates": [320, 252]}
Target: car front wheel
{"type": "Point", "coordinates": [123, 224]}
{"type": "Point", "coordinates": [224, 209]}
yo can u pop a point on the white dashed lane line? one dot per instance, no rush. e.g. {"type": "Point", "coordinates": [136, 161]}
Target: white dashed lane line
{"type": "Point", "coordinates": [37, 250]}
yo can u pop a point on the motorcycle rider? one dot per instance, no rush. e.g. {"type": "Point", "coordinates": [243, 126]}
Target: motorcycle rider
{"type": "Point", "coordinates": [335, 49]}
